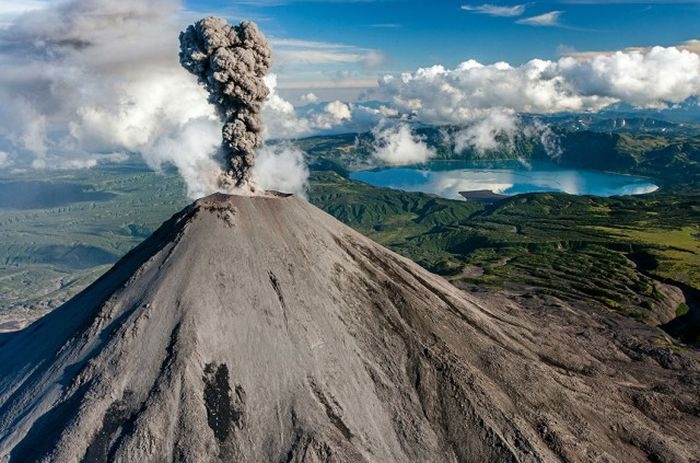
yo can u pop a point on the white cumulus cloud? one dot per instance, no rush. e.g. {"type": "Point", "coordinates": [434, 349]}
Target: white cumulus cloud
{"type": "Point", "coordinates": [336, 112]}
{"type": "Point", "coordinates": [398, 145]}
{"type": "Point", "coordinates": [283, 121]}
{"type": "Point", "coordinates": [483, 134]}
{"type": "Point", "coordinates": [650, 78]}
{"type": "Point", "coordinates": [309, 98]}
{"type": "Point", "coordinates": [487, 98]}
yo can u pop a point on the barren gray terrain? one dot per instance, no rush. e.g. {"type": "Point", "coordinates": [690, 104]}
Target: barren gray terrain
{"type": "Point", "coordinates": [262, 329]}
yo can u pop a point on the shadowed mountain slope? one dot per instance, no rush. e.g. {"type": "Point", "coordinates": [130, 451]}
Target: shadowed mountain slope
{"type": "Point", "coordinates": [262, 329]}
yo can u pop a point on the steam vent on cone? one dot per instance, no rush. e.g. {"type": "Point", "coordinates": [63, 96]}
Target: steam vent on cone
{"type": "Point", "coordinates": [260, 329]}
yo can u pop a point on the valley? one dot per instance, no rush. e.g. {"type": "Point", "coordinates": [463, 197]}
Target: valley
{"type": "Point", "coordinates": [633, 255]}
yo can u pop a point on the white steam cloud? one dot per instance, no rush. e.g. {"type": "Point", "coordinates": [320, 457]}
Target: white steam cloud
{"type": "Point", "coordinates": [397, 145]}
{"type": "Point", "coordinates": [190, 150]}
{"type": "Point", "coordinates": [281, 167]}
{"type": "Point", "coordinates": [85, 79]}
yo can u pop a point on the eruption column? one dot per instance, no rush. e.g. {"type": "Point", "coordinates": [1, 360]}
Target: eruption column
{"type": "Point", "coordinates": [230, 61]}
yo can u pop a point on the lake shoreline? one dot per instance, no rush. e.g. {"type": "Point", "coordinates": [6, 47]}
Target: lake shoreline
{"type": "Point", "coordinates": [490, 181]}
{"type": "Point", "coordinates": [483, 196]}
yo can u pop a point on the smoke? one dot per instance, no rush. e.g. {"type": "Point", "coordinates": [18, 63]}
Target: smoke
{"type": "Point", "coordinates": [397, 145]}
{"type": "Point", "coordinates": [231, 61]}
{"type": "Point", "coordinates": [281, 167]}
{"type": "Point", "coordinates": [87, 81]}
{"type": "Point", "coordinates": [197, 141]}
{"type": "Point", "coordinates": [91, 81]}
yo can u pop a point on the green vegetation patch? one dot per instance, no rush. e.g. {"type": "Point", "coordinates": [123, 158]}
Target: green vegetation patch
{"type": "Point", "coordinates": [608, 253]}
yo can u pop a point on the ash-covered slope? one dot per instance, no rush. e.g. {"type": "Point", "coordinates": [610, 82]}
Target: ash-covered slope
{"type": "Point", "coordinates": [262, 329]}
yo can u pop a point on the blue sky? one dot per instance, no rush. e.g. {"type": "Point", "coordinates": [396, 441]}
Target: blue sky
{"type": "Point", "coordinates": [87, 80]}
{"type": "Point", "coordinates": [403, 35]}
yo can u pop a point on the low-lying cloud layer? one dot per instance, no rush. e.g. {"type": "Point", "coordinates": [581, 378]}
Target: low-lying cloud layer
{"type": "Point", "coordinates": [397, 145]}
{"type": "Point", "coordinates": [500, 129]}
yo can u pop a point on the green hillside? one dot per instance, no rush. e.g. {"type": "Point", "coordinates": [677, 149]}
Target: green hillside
{"type": "Point", "coordinates": [612, 254]}
{"type": "Point", "coordinates": [606, 252]}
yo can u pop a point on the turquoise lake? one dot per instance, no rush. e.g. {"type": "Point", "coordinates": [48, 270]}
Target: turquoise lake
{"type": "Point", "coordinates": [448, 178]}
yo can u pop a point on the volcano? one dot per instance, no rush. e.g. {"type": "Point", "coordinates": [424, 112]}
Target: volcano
{"type": "Point", "coordinates": [262, 329]}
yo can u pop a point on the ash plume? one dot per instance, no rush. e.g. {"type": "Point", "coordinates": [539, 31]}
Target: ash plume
{"type": "Point", "coordinates": [231, 61]}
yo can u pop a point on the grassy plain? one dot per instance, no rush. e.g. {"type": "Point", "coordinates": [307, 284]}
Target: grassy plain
{"type": "Point", "coordinates": [63, 236]}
